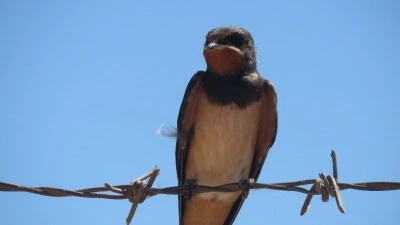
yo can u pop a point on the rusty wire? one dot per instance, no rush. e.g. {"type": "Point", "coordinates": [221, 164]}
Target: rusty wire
{"type": "Point", "coordinates": [141, 188]}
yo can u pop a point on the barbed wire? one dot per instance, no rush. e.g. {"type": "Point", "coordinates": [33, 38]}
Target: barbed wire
{"type": "Point", "coordinates": [141, 188]}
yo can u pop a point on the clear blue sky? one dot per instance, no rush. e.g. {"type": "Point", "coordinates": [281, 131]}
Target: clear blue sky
{"type": "Point", "coordinates": [85, 84]}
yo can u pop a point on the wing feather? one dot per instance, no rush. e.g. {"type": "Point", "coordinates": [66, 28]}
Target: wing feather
{"type": "Point", "coordinates": [185, 124]}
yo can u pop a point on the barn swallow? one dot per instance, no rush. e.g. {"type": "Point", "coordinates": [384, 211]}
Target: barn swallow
{"type": "Point", "coordinates": [227, 122]}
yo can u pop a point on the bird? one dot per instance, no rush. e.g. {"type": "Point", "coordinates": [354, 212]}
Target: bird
{"type": "Point", "coordinates": [226, 125]}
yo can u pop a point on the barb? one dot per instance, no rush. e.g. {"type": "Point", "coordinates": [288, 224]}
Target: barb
{"type": "Point", "coordinates": [139, 190]}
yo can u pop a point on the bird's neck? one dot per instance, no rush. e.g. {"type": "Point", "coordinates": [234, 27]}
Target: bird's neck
{"type": "Point", "coordinates": [242, 90]}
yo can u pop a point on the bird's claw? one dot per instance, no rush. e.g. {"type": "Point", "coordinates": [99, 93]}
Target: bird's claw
{"type": "Point", "coordinates": [245, 186]}
{"type": "Point", "coordinates": [188, 189]}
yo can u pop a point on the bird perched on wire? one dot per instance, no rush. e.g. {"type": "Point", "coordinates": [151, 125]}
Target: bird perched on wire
{"type": "Point", "coordinates": [226, 125]}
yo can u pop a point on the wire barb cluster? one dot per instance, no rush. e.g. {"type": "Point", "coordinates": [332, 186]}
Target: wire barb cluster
{"type": "Point", "coordinates": [141, 188]}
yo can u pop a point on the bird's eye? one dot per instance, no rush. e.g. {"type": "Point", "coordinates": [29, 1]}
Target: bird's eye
{"type": "Point", "coordinates": [236, 41]}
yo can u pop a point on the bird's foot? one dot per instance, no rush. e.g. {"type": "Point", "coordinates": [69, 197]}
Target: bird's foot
{"type": "Point", "coordinates": [188, 188]}
{"type": "Point", "coordinates": [245, 185]}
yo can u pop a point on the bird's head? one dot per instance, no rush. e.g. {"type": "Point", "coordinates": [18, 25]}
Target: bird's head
{"type": "Point", "coordinates": [229, 51]}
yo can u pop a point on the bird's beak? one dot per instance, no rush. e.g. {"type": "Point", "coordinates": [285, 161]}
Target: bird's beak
{"type": "Point", "coordinates": [212, 45]}
{"type": "Point", "coordinates": [223, 59]}
{"type": "Point", "coordinates": [214, 48]}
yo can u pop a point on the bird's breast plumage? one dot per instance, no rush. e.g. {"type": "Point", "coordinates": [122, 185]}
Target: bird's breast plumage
{"type": "Point", "coordinates": [223, 144]}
